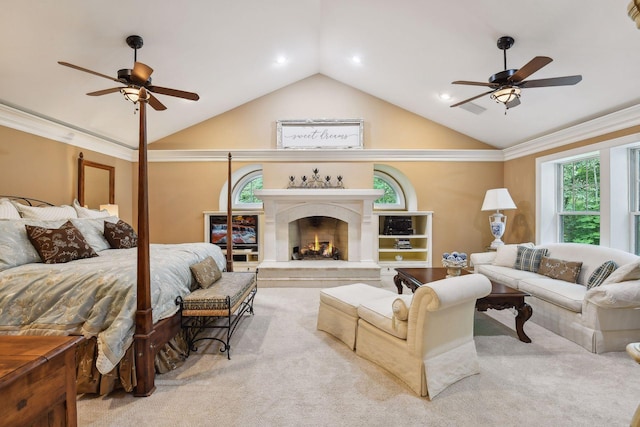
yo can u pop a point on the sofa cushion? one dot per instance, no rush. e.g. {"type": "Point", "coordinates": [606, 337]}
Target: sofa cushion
{"type": "Point", "coordinates": [560, 269]}
{"type": "Point", "coordinates": [630, 271]}
{"type": "Point", "coordinates": [347, 298]}
{"type": "Point", "coordinates": [558, 292]}
{"type": "Point", "coordinates": [506, 254]}
{"type": "Point", "coordinates": [400, 309]}
{"type": "Point", "coordinates": [529, 259]}
{"type": "Point", "coordinates": [379, 313]}
{"type": "Point", "coordinates": [505, 275]}
{"type": "Point", "coordinates": [601, 273]}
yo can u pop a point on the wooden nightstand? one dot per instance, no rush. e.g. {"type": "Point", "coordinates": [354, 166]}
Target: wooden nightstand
{"type": "Point", "coordinates": [38, 380]}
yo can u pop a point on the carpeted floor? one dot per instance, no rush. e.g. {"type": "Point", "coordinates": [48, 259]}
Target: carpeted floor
{"type": "Point", "coordinates": [283, 372]}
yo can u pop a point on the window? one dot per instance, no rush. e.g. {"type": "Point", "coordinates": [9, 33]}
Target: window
{"type": "Point", "coordinates": [243, 196]}
{"type": "Point", "coordinates": [634, 155]}
{"type": "Point", "coordinates": [393, 197]}
{"type": "Point", "coordinates": [579, 206]}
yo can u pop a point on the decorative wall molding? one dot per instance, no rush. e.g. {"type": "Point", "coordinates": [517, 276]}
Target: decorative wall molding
{"type": "Point", "coordinates": [25, 121]}
{"type": "Point", "coordinates": [47, 128]}
{"type": "Point", "coordinates": [318, 155]}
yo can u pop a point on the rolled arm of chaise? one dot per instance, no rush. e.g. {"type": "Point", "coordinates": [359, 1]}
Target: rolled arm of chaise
{"type": "Point", "coordinates": [482, 258]}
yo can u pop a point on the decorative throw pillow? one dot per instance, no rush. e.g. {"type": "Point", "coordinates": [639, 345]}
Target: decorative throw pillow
{"type": "Point", "coordinates": [560, 269]}
{"type": "Point", "coordinates": [7, 210]}
{"type": "Point", "coordinates": [623, 273]}
{"type": "Point", "coordinates": [400, 310]}
{"type": "Point", "coordinates": [47, 213]}
{"type": "Point", "coordinates": [506, 254]}
{"type": "Point", "coordinates": [529, 259]}
{"type": "Point", "coordinates": [59, 245]}
{"type": "Point", "coordinates": [600, 274]}
{"type": "Point", "coordinates": [120, 235]}
{"type": "Point", "coordinates": [88, 213]}
{"type": "Point", "coordinates": [206, 272]}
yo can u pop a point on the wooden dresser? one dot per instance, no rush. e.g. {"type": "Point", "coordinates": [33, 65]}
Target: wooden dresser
{"type": "Point", "coordinates": [38, 380]}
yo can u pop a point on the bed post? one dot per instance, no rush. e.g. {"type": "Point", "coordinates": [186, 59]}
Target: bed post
{"type": "Point", "coordinates": [81, 179]}
{"type": "Point", "coordinates": [144, 353]}
{"type": "Point", "coordinates": [229, 219]}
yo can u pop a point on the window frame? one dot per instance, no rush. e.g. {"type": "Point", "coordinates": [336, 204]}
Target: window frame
{"type": "Point", "coordinates": [395, 186]}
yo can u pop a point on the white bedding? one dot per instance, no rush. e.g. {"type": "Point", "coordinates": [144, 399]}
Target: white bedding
{"type": "Point", "coordinates": [96, 297]}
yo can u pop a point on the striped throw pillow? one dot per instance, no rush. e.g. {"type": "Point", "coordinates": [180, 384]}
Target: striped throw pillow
{"type": "Point", "coordinates": [529, 259]}
{"type": "Point", "coordinates": [600, 274]}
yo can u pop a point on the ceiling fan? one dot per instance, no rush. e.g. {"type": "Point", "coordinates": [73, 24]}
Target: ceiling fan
{"type": "Point", "coordinates": [506, 85]}
{"type": "Point", "coordinates": [136, 79]}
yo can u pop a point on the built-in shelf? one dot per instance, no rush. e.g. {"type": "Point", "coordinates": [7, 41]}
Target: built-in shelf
{"type": "Point", "coordinates": [409, 246]}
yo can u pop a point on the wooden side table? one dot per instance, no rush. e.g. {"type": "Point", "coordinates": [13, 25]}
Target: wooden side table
{"type": "Point", "coordinates": [38, 380]}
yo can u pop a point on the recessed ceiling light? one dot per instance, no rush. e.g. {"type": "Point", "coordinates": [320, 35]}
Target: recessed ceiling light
{"type": "Point", "coordinates": [281, 59]}
{"type": "Point", "coordinates": [356, 59]}
{"type": "Point", "coordinates": [444, 96]}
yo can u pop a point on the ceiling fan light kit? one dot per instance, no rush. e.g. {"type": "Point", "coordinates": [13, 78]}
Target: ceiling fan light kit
{"type": "Point", "coordinates": [506, 85]}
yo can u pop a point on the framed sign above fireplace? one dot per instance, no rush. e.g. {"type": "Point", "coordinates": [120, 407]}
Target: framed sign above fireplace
{"type": "Point", "coordinates": [329, 134]}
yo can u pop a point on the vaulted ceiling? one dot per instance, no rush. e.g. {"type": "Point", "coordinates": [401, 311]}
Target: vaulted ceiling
{"type": "Point", "coordinates": [409, 52]}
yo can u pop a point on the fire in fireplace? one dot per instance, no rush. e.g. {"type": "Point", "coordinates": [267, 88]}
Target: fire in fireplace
{"type": "Point", "coordinates": [318, 238]}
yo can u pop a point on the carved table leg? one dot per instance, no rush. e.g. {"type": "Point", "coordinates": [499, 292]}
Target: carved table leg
{"type": "Point", "coordinates": [398, 282]}
{"type": "Point", "coordinates": [524, 313]}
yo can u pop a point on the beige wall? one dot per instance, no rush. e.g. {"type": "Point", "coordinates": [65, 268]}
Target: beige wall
{"type": "Point", "coordinates": [36, 167]}
{"type": "Point", "coordinates": [179, 192]}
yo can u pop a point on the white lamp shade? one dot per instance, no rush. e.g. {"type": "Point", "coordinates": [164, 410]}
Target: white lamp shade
{"type": "Point", "coordinates": [112, 209]}
{"type": "Point", "coordinates": [497, 199]}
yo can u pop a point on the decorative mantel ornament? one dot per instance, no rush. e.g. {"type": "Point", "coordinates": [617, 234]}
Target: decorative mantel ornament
{"type": "Point", "coordinates": [315, 181]}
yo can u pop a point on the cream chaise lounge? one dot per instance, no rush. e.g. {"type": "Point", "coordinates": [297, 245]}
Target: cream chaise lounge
{"type": "Point", "coordinates": [425, 339]}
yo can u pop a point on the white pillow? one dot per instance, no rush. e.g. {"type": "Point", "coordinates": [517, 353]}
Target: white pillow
{"type": "Point", "coordinates": [88, 213]}
{"type": "Point", "coordinates": [93, 231]}
{"type": "Point", "coordinates": [7, 210]}
{"type": "Point", "coordinates": [15, 247]}
{"type": "Point", "coordinates": [623, 273]}
{"type": "Point", "coordinates": [506, 254]}
{"type": "Point", "coordinates": [46, 213]}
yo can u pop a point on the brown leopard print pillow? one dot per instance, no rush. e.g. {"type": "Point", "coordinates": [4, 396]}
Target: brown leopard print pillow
{"type": "Point", "coordinates": [120, 235]}
{"type": "Point", "coordinates": [59, 245]}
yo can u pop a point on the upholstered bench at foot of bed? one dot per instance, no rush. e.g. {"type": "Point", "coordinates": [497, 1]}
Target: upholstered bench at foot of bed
{"type": "Point", "coordinates": [220, 306]}
{"type": "Point", "coordinates": [338, 311]}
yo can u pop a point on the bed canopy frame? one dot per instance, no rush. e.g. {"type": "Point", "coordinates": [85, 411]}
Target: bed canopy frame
{"type": "Point", "coordinates": [149, 338]}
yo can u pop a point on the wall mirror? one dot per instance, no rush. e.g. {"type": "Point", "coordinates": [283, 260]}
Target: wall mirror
{"type": "Point", "coordinates": [96, 183]}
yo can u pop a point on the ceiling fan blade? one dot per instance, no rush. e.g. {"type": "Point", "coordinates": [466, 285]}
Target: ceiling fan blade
{"type": "Point", "coordinates": [141, 72]}
{"type": "Point", "coordinates": [104, 91]}
{"type": "Point", "coordinates": [95, 73]}
{"type": "Point", "coordinates": [156, 104]}
{"type": "Point", "coordinates": [529, 68]}
{"type": "Point", "coordinates": [514, 103]}
{"type": "Point", "coordinates": [554, 81]}
{"type": "Point", "coordinates": [471, 99]}
{"type": "Point", "coordinates": [174, 92]}
{"type": "Point", "coordinates": [465, 82]}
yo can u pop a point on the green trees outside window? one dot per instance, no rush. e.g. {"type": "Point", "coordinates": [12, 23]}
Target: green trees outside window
{"type": "Point", "coordinates": [246, 194]}
{"type": "Point", "coordinates": [580, 210]}
{"type": "Point", "coordinates": [390, 196]}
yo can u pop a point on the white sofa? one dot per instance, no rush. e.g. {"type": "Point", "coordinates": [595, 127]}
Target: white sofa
{"type": "Point", "coordinates": [425, 339]}
{"type": "Point", "coordinates": [600, 319]}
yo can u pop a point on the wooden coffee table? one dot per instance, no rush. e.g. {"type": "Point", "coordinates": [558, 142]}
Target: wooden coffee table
{"type": "Point", "coordinates": [501, 296]}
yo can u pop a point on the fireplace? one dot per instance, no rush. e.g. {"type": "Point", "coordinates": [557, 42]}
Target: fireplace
{"type": "Point", "coordinates": [352, 212]}
{"type": "Point", "coordinates": [318, 238]}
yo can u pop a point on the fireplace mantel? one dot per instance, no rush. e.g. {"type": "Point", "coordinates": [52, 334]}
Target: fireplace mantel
{"type": "Point", "coordinates": [354, 206]}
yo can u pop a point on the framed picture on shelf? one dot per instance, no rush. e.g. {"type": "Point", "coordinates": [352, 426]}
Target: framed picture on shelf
{"type": "Point", "coordinates": [309, 134]}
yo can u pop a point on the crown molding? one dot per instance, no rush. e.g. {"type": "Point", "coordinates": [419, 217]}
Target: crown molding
{"type": "Point", "coordinates": [15, 118]}
{"type": "Point", "coordinates": [328, 155]}
{"type": "Point", "coordinates": [621, 119]}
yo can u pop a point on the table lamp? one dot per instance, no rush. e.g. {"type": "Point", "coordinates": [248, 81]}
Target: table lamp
{"type": "Point", "coordinates": [497, 199]}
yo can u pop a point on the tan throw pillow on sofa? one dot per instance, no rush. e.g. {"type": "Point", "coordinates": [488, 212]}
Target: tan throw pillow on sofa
{"type": "Point", "coordinates": [625, 272]}
{"type": "Point", "coordinates": [206, 272]}
{"type": "Point", "coordinates": [560, 269]}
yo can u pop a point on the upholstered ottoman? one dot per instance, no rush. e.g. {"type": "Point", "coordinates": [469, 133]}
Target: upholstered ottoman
{"type": "Point", "coordinates": [338, 311]}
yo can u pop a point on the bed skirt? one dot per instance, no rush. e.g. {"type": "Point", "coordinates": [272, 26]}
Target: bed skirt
{"type": "Point", "coordinates": [123, 376]}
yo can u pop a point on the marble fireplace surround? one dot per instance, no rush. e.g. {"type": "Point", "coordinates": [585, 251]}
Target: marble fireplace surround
{"type": "Point", "coordinates": [353, 206]}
